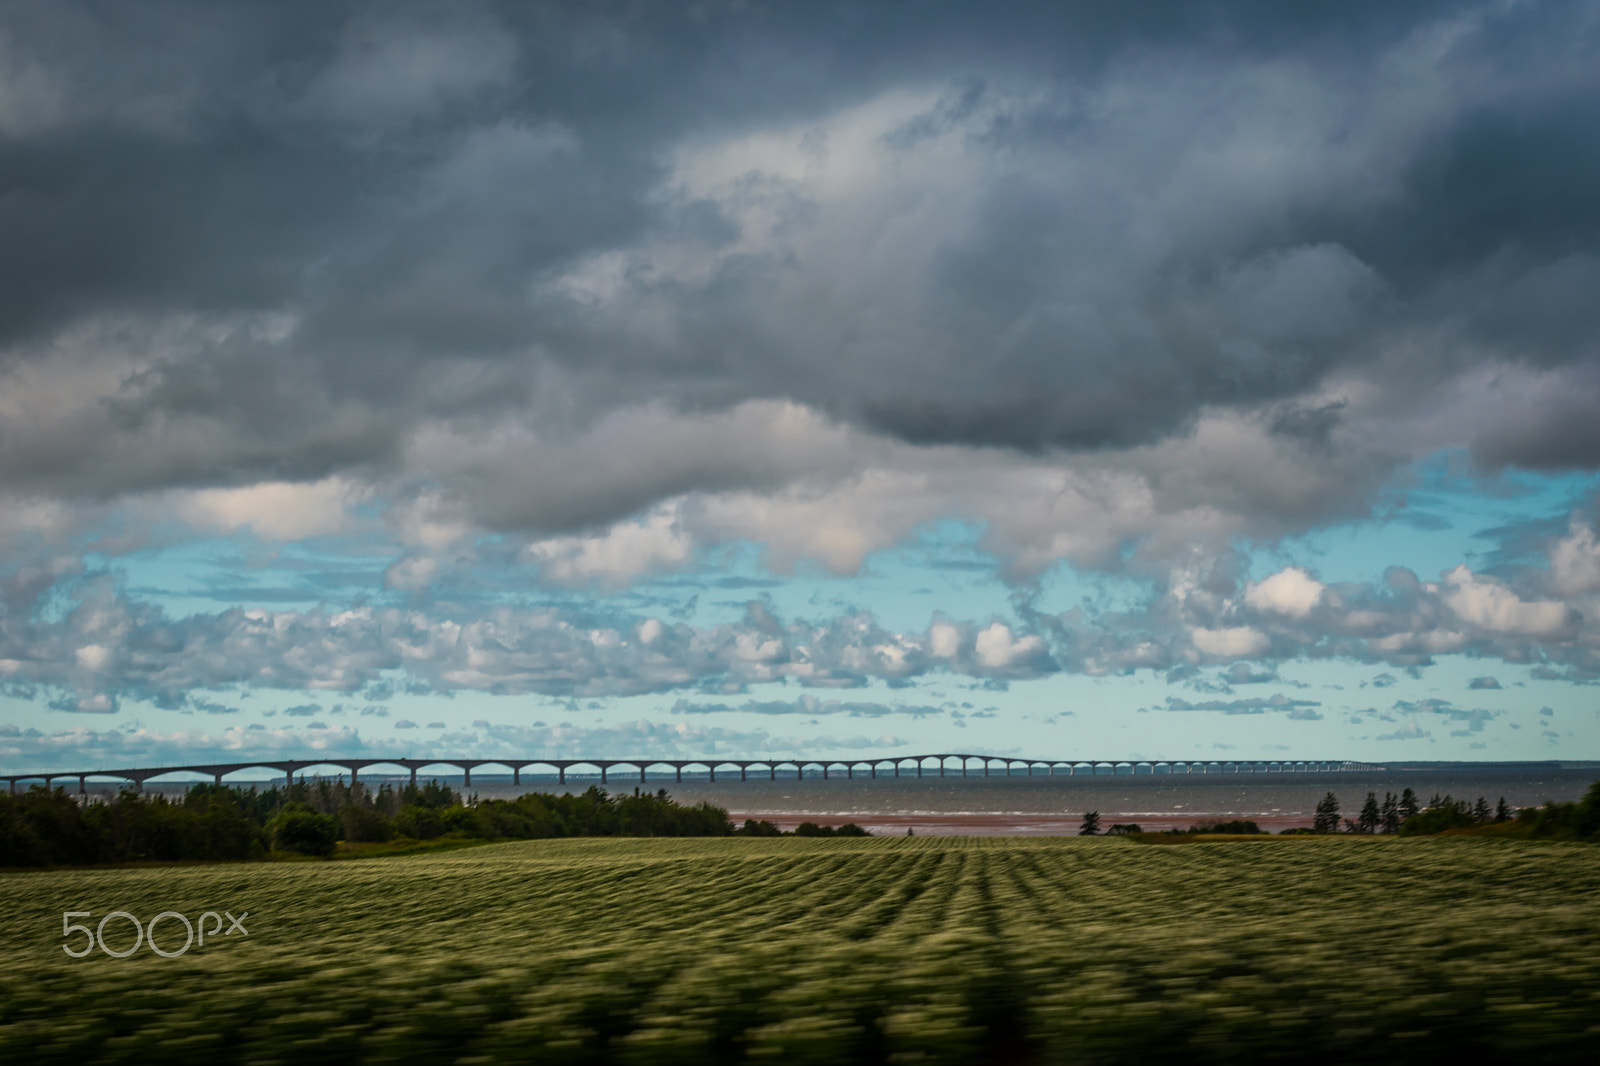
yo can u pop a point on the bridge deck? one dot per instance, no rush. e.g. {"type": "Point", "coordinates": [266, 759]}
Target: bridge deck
{"type": "Point", "coordinates": [895, 764]}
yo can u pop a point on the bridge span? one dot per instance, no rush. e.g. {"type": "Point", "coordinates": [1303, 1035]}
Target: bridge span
{"type": "Point", "coordinates": [919, 765]}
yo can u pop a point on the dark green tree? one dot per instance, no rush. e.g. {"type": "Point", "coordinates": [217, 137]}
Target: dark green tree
{"type": "Point", "coordinates": [1370, 817]}
{"type": "Point", "coordinates": [386, 801]}
{"type": "Point", "coordinates": [1408, 805]}
{"type": "Point", "coordinates": [1502, 813]}
{"type": "Point", "coordinates": [301, 828]}
{"type": "Point", "coordinates": [434, 795]}
{"type": "Point", "coordinates": [1091, 824]}
{"type": "Point", "coordinates": [1390, 813]}
{"type": "Point", "coordinates": [1326, 819]}
{"type": "Point", "coordinates": [1586, 813]}
{"type": "Point", "coordinates": [363, 824]}
{"type": "Point", "coordinates": [418, 822]}
{"type": "Point", "coordinates": [1445, 813]}
{"type": "Point", "coordinates": [1481, 812]}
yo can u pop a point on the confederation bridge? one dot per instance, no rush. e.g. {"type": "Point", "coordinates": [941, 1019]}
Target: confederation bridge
{"type": "Point", "coordinates": [917, 765]}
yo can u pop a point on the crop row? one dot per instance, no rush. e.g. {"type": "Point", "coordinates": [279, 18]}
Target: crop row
{"type": "Point", "coordinates": [919, 950]}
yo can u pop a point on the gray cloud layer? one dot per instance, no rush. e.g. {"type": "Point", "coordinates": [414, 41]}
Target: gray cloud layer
{"type": "Point", "coordinates": [283, 241]}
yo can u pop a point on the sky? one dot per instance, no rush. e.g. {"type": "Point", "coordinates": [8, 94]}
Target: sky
{"type": "Point", "coordinates": [1151, 380]}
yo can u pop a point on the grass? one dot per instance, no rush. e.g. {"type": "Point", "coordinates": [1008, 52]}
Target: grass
{"type": "Point", "coordinates": [1215, 838]}
{"type": "Point", "coordinates": [924, 949]}
{"type": "Point", "coordinates": [399, 846]}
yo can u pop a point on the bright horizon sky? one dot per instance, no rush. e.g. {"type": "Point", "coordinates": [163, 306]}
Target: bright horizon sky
{"type": "Point", "coordinates": [1165, 381]}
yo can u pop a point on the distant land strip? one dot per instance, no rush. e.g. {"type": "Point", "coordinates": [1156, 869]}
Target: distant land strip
{"type": "Point", "coordinates": [910, 765]}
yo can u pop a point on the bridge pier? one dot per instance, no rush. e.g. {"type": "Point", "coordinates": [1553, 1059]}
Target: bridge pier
{"type": "Point", "coordinates": [850, 773]}
{"type": "Point", "coordinates": [561, 775]}
{"type": "Point", "coordinates": [824, 771]}
{"type": "Point", "coordinates": [466, 777]}
{"type": "Point", "coordinates": [413, 777]}
{"type": "Point", "coordinates": [680, 773]}
{"type": "Point", "coordinates": [603, 769]}
{"type": "Point", "coordinates": [712, 770]}
{"type": "Point", "coordinates": [641, 775]}
{"type": "Point", "coordinates": [773, 771]}
{"type": "Point", "coordinates": [516, 775]}
{"type": "Point", "coordinates": [874, 769]}
{"type": "Point", "coordinates": [742, 771]}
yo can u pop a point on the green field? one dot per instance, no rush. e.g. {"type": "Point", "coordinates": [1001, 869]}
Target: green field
{"type": "Point", "coordinates": [792, 950]}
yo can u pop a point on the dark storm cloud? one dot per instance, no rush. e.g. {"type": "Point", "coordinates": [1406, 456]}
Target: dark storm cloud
{"type": "Point", "coordinates": [295, 233]}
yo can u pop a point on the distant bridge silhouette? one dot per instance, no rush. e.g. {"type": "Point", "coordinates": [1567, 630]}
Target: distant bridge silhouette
{"type": "Point", "coordinates": [710, 766]}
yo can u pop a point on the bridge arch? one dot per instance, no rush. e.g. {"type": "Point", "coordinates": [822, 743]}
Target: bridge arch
{"type": "Point", "coordinates": [469, 765]}
{"type": "Point", "coordinates": [223, 774]}
{"type": "Point", "coordinates": [358, 765]}
{"type": "Point", "coordinates": [210, 773]}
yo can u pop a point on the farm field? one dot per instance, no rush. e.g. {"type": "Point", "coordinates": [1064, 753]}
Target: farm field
{"type": "Point", "coordinates": [793, 950]}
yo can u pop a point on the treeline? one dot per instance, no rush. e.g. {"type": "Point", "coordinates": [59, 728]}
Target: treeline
{"type": "Point", "coordinates": [1406, 816]}
{"type": "Point", "coordinates": [1402, 814]}
{"type": "Point", "coordinates": [218, 822]}
{"type": "Point", "coordinates": [764, 828]}
{"type": "Point", "coordinates": [1576, 821]}
{"type": "Point", "coordinates": [1238, 827]}
{"type": "Point", "coordinates": [1235, 827]}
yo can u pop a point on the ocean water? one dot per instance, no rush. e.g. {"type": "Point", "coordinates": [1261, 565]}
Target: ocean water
{"type": "Point", "coordinates": [1045, 804]}
{"type": "Point", "coordinates": [1152, 797]}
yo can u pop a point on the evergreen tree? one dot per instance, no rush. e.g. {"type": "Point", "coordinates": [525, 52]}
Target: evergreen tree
{"type": "Point", "coordinates": [1480, 812]}
{"type": "Point", "coordinates": [1408, 805]}
{"type": "Point", "coordinates": [1390, 813]}
{"type": "Point", "coordinates": [1327, 816]}
{"type": "Point", "coordinates": [1502, 813]}
{"type": "Point", "coordinates": [1370, 817]}
{"type": "Point", "coordinates": [1091, 824]}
